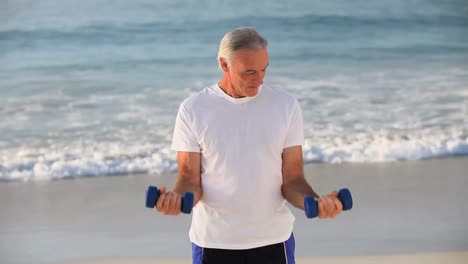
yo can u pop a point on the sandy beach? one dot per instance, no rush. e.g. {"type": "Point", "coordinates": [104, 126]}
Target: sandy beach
{"type": "Point", "coordinates": [404, 212]}
{"type": "Point", "coordinates": [428, 258]}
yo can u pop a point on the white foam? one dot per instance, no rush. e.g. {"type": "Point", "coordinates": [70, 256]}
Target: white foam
{"type": "Point", "coordinates": [84, 160]}
{"type": "Point", "coordinates": [385, 148]}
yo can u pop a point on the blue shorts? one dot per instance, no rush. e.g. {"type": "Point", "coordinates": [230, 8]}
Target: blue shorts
{"type": "Point", "coordinates": [281, 253]}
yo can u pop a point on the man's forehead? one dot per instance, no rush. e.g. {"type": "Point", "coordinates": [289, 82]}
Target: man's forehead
{"type": "Point", "coordinates": [251, 57]}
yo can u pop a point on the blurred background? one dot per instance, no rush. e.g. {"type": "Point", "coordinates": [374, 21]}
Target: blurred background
{"type": "Point", "coordinates": [92, 87]}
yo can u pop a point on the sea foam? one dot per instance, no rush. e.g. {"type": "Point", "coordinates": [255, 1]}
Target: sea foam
{"type": "Point", "coordinates": [104, 159]}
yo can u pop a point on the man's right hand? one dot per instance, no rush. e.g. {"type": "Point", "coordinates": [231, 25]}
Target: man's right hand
{"type": "Point", "coordinates": [169, 203]}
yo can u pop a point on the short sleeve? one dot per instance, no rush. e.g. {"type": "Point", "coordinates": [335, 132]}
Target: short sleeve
{"type": "Point", "coordinates": [295, 134]}
{"type": "Point", "coordinates": [184, 138]}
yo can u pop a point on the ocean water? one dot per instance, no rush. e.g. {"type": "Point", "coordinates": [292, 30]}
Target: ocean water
{"type": "Point", "coordinates": [92, 88]}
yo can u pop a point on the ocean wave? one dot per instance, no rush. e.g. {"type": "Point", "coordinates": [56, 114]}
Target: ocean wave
{"type": "Point", "coordinates": [136, 31]}
{"type": "Point", "coordinates": [315, 36]}
{"type": "Point", "coordinates": [310, 16]}
{"type": "Point", "coordinates": [385, 147]}
{"type": "Point", "coordinates": [104, 159]}
{"type": "Point", "coordinates": [83, 160]}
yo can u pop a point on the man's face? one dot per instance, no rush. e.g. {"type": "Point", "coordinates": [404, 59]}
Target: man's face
{"type": "Point", "coordinates": [247, 70]}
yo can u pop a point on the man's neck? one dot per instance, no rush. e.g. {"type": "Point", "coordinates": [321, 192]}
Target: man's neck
{"type": "Point", "coordinates": [227, 87]}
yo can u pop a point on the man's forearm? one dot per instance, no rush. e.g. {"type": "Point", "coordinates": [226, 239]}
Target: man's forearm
{"type": "Point", "coordinates": [294, 192]}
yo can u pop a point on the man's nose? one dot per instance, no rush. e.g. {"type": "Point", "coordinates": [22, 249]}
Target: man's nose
{"type": "Point", "coordinates": [258, 78]}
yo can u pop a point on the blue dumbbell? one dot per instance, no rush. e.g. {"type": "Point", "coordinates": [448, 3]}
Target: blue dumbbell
{"type": "Point", "coordinates": [311, 206]}
{"type": "Point", "coordinates": [152, 195]}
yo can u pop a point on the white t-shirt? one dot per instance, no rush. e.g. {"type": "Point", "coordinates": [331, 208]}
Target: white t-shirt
{"type": "Point", "coordinates": [241, 141]}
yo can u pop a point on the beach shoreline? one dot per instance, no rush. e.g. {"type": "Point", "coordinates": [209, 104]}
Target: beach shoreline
{"type": "Point", "coordinates": [459, 257]}
{"type": "Point", "coordinates": [400, 209]}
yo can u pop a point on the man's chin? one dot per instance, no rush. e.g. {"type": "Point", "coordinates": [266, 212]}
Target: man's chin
{"type": "Point", "coordinates": [252, 91]}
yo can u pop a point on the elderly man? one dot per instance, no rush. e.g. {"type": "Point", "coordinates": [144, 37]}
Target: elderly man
{"type": "Point", "coordinates": [239, 151]}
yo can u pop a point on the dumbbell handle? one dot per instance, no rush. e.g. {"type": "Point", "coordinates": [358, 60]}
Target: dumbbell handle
{"type": "Point", "coordinates": [311, 205]}
{"type": "Point", "coordinates": [153, 193]}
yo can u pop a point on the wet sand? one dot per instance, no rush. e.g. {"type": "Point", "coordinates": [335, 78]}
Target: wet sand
{"type": "Point", "coordinates": [404, 212]}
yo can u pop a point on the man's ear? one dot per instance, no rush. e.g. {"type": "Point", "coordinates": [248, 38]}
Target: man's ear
{"type": "Point", "coordinates": [224, 65]}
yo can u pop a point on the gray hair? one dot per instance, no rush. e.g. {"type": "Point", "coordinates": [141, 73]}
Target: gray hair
{"type": "Point", "coordinates": [240, 38]}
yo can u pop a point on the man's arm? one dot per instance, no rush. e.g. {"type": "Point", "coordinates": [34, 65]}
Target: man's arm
{"type": "Point", "coordinates": [295, 187]}
{"type": "Point", "coordinates": [188, 180]}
